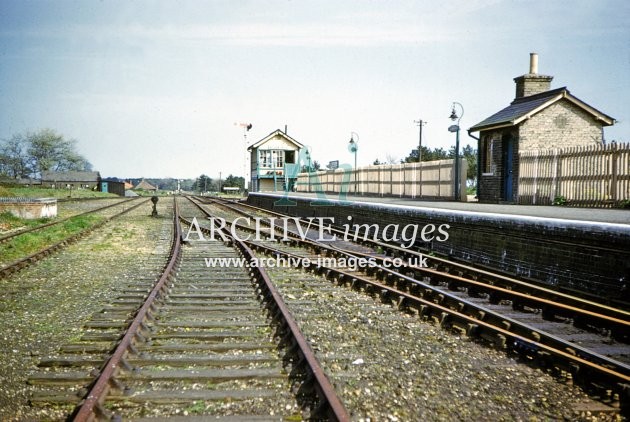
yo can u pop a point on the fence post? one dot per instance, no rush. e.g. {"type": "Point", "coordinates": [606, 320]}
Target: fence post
{"type": "Point", "coordinates": [554, 177]}
{"type": "Point", "coordinates": [535, 193]}
{"type": "Point", "coordinates": [613, 180]}
{"type": "Point", "coordinates": [440, 178]}
{"type": "Point", "coordinates": [421, 170]}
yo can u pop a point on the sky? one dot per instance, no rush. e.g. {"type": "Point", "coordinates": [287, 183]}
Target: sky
{"type": "Point", "coordinates": [158, 88]}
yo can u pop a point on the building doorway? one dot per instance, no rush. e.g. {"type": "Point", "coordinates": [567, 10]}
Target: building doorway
{"type": "Point", "coordinates": [508, 168]}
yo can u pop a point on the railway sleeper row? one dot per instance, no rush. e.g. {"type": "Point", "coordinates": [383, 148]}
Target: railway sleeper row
{"type": "Point", "coordinates": [615, 329]}
{"type": "Point", "coordinates": [566, 364]}
{"type": "Point", "coordinates": [523, 344]}
{"type": "Point", "coordinates": [477, 273]}
{"type": "Point", "coordinates": [550, 310]}
{"type": "Point", "coordinates": [22, 263]}
{"type": "Point", "coordinates": [496, 288]}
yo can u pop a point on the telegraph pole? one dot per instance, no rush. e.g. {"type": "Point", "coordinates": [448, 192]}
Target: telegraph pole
{"type": "Point", "coordinates": [420, 123]}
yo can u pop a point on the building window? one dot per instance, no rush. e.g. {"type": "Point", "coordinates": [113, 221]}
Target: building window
{"type": "Point", "coordinates": [486, 158]}
{"type": "Point", "coordinates": [264, 159]}
{"type": "Point", "coordinates": [271, 158]}
{"type": "Point", "coordinates": [278, 158]}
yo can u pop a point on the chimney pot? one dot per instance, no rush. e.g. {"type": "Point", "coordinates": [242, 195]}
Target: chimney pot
{"type": "Point", "coordinates": [532, 83]}
{"type": "Point", "coordinates": [533, 63]}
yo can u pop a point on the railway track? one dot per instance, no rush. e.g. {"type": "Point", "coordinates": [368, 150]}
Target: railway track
{"type": "Point", "coordinates": [107, 212]}
{"type": "Point", "coordinates": [577, 340]}
{"type": "Point", "coordinates": [192, 342]}
{"type": "Point", "coordinates": [19, 232]}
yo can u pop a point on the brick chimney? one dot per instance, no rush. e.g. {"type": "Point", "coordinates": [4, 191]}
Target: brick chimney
{"type": "Point", "coordinates": [532, 83]}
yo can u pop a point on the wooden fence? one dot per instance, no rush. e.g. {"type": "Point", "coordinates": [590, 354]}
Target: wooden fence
{"type": "Point", "coordinates": [578, 176]}
{"type": "Point", "coordinates": [429, 179]}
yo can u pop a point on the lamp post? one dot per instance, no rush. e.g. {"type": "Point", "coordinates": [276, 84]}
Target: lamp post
{"type": "Point", "coordinates": [353, 146]}
{"type": "Point", "coordinates": [420, 123]}
{"type": "Point", "coordinates": [308, 168]}
{"type": "Point", "coordinates": [455, 128]}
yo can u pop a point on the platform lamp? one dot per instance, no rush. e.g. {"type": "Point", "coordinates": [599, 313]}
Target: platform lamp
{"type": "Point", "coordinates": [307, 153]}
{"type": "Point", "coordinates": [455, 128]}
{"type": "Point", "coordinates": [353, 146]}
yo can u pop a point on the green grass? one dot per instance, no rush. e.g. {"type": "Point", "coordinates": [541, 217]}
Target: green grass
{"type": "Point", "coordinates": [471, 190]}
{"type": "Point", "coordinates": [33, 192]}
{"type": "Point", "coordinates": [29, 243]}
{"type": "Point", "coordinates": [10, 222]}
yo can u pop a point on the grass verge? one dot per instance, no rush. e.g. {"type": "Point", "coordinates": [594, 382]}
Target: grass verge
{"type": "Point", "coordinates": [29, 243]}
{"type": "Point", "coordinates": [32, 192]}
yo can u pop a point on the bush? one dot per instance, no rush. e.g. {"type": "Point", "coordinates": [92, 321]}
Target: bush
{"type": "Point", "coordinates": [560, 200]}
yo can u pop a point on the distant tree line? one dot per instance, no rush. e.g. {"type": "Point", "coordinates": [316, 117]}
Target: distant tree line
{"type": "Point", "coordinates": [202, 183]}
{"type": "Point", "coordinates": [206, 184]}
{"type": "Point", "coordinates": [29, 154]}
{"type": "Point", "coordinates": [468, 153]}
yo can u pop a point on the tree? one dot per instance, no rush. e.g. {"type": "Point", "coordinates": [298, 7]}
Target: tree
{"type": "Point", "coordinates": [234, 182]}
{"type": "Point", "coordinates": [49, 151]}
{"type": "Point", "coordinates": [427, 155]}
{"type": "Point", "coordinates": [470, 155]}
{"type": "Point", "coordinates": [14, 161]}
{"type": "Point", "coordinates": [29, 154]}
{"type": "Point", "coordinates": [315, 166]}
{"type": "Point", "coordinates": [202, 184]}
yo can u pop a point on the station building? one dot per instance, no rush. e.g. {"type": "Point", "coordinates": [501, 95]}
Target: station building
{"type": "Point", "coordinates": [71, 179]}
{"type": "Point", "coordinates": [275, 162]}
{"type": "Point", "coordinates": [537, 119]}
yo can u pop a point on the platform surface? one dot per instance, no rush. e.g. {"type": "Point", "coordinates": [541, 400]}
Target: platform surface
{"type": "Point", "coordinates": [602, 215]}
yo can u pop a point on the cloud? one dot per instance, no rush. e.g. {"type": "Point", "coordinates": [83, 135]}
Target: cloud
{"type": "Point", "coordinates": [260, 34]}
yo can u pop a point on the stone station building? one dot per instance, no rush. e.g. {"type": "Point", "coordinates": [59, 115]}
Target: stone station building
{"type": "Point", "coordinates": [537, 119]}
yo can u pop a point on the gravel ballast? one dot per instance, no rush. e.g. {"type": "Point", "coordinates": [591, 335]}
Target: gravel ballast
{"type": "Point", "coordinates": [388, 365]}
{"type": "Point", "coordinates": [44, 306]}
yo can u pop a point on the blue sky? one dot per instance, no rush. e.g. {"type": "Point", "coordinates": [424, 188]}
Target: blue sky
{"type": "Point", "coordinates": [154, 88]}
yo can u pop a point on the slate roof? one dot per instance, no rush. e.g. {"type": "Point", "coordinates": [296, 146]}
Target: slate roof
{"type": "Point", "coordinates": [271, 135]}
{"type": "Point", "coordinates": [71, 176]}
{"type": "Point", "coordinates": [143, 184]}
{"type": "Point", "coordinates": [524, 107]}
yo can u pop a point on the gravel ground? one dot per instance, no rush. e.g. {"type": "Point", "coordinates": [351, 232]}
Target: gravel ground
{"type": "Point", "coordinates": [388, 365]}
{"type": "Point", "coordinates": [69, 208]}
{"type": "Point", "coordinates": [44, 306]}
{"type": "Point", "coordinates": [385, 364]}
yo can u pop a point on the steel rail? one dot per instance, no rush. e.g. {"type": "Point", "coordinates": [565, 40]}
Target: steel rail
{"type": "Point", "coordinates": [591, 372]}
{"type": "Point", "coordinates": [618, 323]}
{"type": "Point", "coordinates": [620, 328]}
{"type": "Point", "coordinates": [523, 336]}
{"type": "Point", "coordinates": [445, 298]}
{"type": "Point", "coordinates": [34, 257]}
{"type": "Point", "coordinates": [330, 404]}
{"type": "Point", "coordinates": [335, 409]}
{"type": "Point", "coordinates": [91, 405]}
{"type": "Point", "coordinates": [52, 223]}
{"type": "Point", "coordinates": [499, 280]}
{"type": "Point", "coordinates": [588, 365]}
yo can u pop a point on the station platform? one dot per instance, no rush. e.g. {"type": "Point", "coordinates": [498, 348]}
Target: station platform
{"type": "Point", "coordinates": [602, 215]}
{"type": "Point", "coordinates": [577, 250]}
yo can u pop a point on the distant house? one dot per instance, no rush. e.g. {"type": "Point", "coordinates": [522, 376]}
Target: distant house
{"type": "Point", "coordinates": [274, 162]}
{"type": "Point", "coordinates": [538, 118]}
{"type": "Point", "coordinates": [26, 181]}
{"type": "Point", "coordinates": [71, 179]}
{"type": "Point", "coordinates": [143, 184]}
{"type": "Point", "coordinates": [112, 185]}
